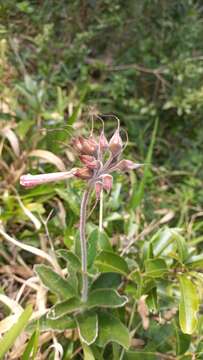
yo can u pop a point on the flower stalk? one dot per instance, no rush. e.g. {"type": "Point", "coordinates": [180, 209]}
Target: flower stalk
{"type": "Point", "coordinates": [83, 243]}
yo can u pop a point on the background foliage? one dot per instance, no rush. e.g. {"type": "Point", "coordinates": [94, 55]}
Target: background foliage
{"type": "Point", "coordinates": [141, 60]}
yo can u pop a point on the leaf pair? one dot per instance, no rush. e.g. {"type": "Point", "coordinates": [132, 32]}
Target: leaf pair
{"type": "Point", "coordinates": [104, 298]}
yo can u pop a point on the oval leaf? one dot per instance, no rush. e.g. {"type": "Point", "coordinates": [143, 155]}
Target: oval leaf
{"type": "Point", "coordinates": [47, 324]}
{"type": "Point", "coordinates": [54, 282]}
{"type": "Point", "coordinates": [65, 307]}
{"type": "Point", "coordinates": [87, 327]}
{"type": "Point", "coordinates": [70, 257]}
{"type": "Point", "coordinates": [107, 261]}
{"type": "Point", "coordinates": [106, 298]}
{"type": "Point", "coordinates": [189, 305]}
{"type": "Point", "coordinates": [112, 329]}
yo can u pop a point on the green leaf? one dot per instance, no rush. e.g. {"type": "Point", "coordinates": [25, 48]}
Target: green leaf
{"type": "Point", "coordinates": [46, 324]}
{"type": "Point", "coordinates": [92, 247]}
{"type": "Point", "coordinates": [107, 261]}
{"type": "Point", "coordinates": [167, 240]}
{"type": "Point", "coordinates": [9, 338]}
{"type": "Point", "coordinates": [87, 352]}
{"type": "Point", "coordinates": [151, 300]}
{"type": "Point", "coordinates": [106, 298]}
{"type": "Point", "coordinates": [162, 241]}
{"type": "Point", "coordinates": [111, 329]}
{"type": "Point", "coordinates": [181, 245]}
{"type": "Point", "coordinates": [97, 241]}
{"type": "Point", "coordinates": [195, 261]}
{"type": "Point", "coordinates": [54, 282]}
{"type": "Point", "coordinates": [155, 268]}
{"type": "Point", "coordinates": [189, 305]}
{"type": "Point", "coordinates": [32, 346]}
{"type": "Point", "coordinates": [106, 280]}
{"type": "Point", "coordinates": [182, 341]}
{"type": "Point", "coordinates": [137, 355]}
{"type": "Point", "coordinates": [87, 326]}
{"type": "Point", "coordinates": [103, 241]}
{"type": "Point", "coordinates": [70, 257]}
{"type": "Point", "coordinates": [65, 307]}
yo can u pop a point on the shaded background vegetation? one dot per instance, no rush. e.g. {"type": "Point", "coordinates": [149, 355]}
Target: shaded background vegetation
{"type": "Point", "coordinates": [61, 61]}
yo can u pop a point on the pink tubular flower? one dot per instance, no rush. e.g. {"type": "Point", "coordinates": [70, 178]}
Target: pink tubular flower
{"type": "Point", "coordinates": [30, 181]}
{"type": "Point", "coordinates": [98, 167]}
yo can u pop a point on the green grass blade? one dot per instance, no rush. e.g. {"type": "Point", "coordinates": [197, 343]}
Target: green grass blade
{"type": "Point", "coordinates": [9, 338]}
{"type": "Point", "coordinates": [32, 346]}
{"type": "Point", "coordinates": [137, 194]}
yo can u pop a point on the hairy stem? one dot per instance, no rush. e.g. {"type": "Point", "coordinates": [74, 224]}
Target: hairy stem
{"type": "Point", "coordinates": [83, 243]}
{"type": "Point", "coordinates": [101, 212]}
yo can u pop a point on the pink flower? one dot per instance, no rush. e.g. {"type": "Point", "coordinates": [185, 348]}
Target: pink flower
{"type": "Point", "coordinates": [92, 153]}
{"type": "Point", "coordinates": [30, 181]}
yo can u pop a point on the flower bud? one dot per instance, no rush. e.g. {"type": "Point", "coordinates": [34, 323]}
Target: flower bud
{"type": "Point", "coordinates": [103, 143]}
{"type": "Point", "coordinates": [89, 146]}
{"type": "Point", "coordinates": [126, 165]}
{"type": "Point", "coordinates": [115, 143]}
{"type": "Point", "coordinates": [77, 143]}
{"type": "Point", "coordinates": [107, 182]}
{"type": "Point", "coordinates": [98, 189]}
{"type": "Point", "coordinates": [89, 161]}
{"type": "Point", "coordinates": [84, 173]}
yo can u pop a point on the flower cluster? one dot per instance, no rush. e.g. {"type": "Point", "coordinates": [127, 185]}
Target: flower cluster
{"type": "Point", "coordinates": [99, 157]}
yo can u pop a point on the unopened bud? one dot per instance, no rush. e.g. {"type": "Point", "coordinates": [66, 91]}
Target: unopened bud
{"type": "Point", "coordinates": [89, 161]}
{"type": "Point", "coordinates": [115, 143]}
{"type": "Point", "coordinates": [103, 143]}
{"type": "Point", "coordinates": [84, 173]}
{"type": "Point", "coordinates": [89, 146]}
{"type": "Point", "coordinates": [107, 182]}
{"type": "Point", "coordinates": [78, 143]}
{"type": "Point", "coordinates": [98, 189]}
{"type": "Point", "coordinates": [126, 165]}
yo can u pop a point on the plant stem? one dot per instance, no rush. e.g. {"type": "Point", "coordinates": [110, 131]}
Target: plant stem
{"type": "Point", "coordinates": [83, 244]}
{"type": "Point", "coordinates": [101, 212]}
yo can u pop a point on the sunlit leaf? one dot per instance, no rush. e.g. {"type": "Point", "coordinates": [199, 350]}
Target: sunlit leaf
{"type": "Point", "coordinates": [87, 352]}
{"type": "Point", "coordinates": [189, 305]}
{"type": "Point", "coordinates": [9, 338]}
{"type": "Point", "coordinates": [32, 346]}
